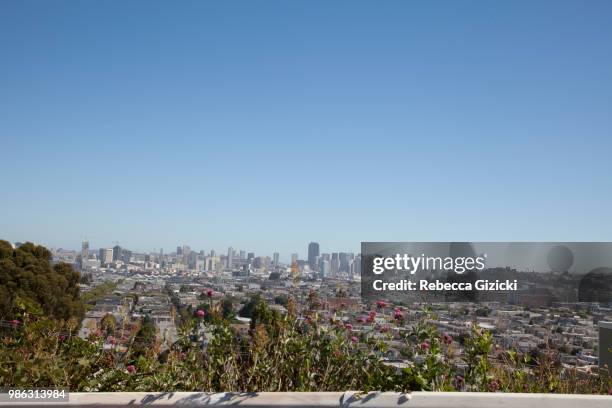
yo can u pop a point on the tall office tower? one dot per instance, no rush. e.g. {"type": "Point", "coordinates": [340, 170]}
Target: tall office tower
{"type": "Point", "coordinates": [275, 259]}
{"type": "Point", "coordinates": [313, 252]}
{"type": "Point", "coordinates": [85, 250]}
{"type": "Point", "coordinates": [294, 259]}
{"type": "Point", "coordinates": [212, 253]}
{"type": "Point", "coordinates": [605, 346]}
{"type": "Point", "coordinates": [357, 266]}
{"type": "Point", "coordinates": [186, 250]}
{"type": "Point", "coordinates": [230, 257]}
{"type": "Point", "coordinates": [242, 254]}
{"type": "Point", "coordinates": [334, 265]}
{"type": "Point", "coordinates": [323, 268]}
{"type": "Point", "coordinates": [179, 251]}
{"type": "Point", "coordinates": [116, 252]}
{"type": "Point", "coordinates": [106, 255]}
{"type": "Point", "coordinates": [345, 259]}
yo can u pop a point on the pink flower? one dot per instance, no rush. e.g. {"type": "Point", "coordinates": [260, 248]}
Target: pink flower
{"type": "Point", "coordinates": [354, 339]}
{"type": "Point", "coordinates": [494, 386]}
{"type": "Point", "coordinates": [15, 322]}
{"type": "Point", "coordinates": [447, 338]}
{"type": "Point", "coordinates": [200, 313]}
{"type": "Point", "coordinates": [131, 369]}
{"type": "Point", "coordinates": [348, 326]}
{"type": "Point", "coordinates": [361, 319]}
{"type": "Point", "coordinates": [397, 314]}
{"type": "Point", "coordinates": [385, 328]}
{"type": "Point", "coordinates": [459, 381]}
{"type": "Point", "coordinates": [425, 346]}
{"type": "Point", "coordinates": [61, 337]}
{"type": "Point", "coordinates": [209, 293]}
{"type": "Point", "coordinates": [380, 304]}
{"type": "Point", "coordinates": [111, 340]}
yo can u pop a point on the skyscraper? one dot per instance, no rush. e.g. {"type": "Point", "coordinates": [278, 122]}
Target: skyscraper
{"type": "Point", "coordinates": [313, 253]}
{"type": "Point", "coordinates": [85, 250]}
{"type": "Point", "coordinates": [294, 259]}
{"type": "Point", "coordinates": [275, 259]}
{"type": "Point", "coordinates": [230, 257]}
{"type": "Point", "coordinates": [117, 252]}
{"type": "Point", "coordinates": [106, 255]}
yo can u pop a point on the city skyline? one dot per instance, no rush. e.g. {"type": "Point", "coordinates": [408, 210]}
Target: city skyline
{"type": "Point", "coordinates": [284, 258]}
{"type": "Point", "coordinates": [268, 125]}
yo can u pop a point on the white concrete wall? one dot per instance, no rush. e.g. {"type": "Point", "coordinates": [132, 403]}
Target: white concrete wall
{"type": "Point", "coordinates": [326, 399]}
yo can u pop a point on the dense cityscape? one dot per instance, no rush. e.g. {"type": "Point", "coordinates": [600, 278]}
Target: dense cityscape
{"type": "Point", "coordinates": [162, 283]}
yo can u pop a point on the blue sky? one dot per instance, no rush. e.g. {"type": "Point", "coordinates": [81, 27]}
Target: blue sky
{"type": "Point", "coordinates": [266, 125]}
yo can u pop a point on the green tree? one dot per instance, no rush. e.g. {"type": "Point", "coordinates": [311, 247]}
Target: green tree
{"type": "Point", "coordinates": [31, 285]}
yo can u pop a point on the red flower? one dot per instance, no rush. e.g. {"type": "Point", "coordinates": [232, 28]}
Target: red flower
{"type": "Point", "coordinates": [380, 304]}
{"type": "Point", "coordinates": [200, 313]}
{"type": "Point", "coordinates": [425, 346]}
{"type": "Point", "coordinates": [209, 292]}
{"type": "Point", "coordinates": [372, 314]}
{"type": "Point", "coordinates": [131, 369]}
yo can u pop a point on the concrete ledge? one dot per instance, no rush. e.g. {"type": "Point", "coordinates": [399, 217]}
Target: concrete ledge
{"type": "Point", "coordinates": [349, 399]}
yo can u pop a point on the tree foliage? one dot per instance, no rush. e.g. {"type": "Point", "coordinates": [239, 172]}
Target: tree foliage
{"type": "Point", "coordinates": [30, 284]}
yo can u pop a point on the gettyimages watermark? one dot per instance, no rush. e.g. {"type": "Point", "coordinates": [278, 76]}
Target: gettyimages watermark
{"type": "Point", "coordinates": [528, 273]}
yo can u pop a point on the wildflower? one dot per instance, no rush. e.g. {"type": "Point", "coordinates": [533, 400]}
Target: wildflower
{"type": "Point", "coordinates": [15, 322]}
{"type": "Point", "coordinates": [447, 338]}
{"type": "Point", "coordinates": [397, 314]}
{"type": "Point", "coordinates": [459, 381]}
{"type": "Point", "coordinates": [61, 337]}
{"type": "Point", "coordinates": [131, 368]}
{"type": "Point", "coordinates": [361, 319]}
{"type": "Point", "coordinates": [348, 326]}
{"type": "Point", "coordinates": [183, 355]}
{"type": "Point", "coordinates": [494, 385]}
{"type": "Point", "coordinates": [111, 340]}
{"type": "Point", "coordinates": [425, 346]}
{"type": "Point", "coordinates": [209, 293]}
{"type": "Point", "coordinates": [371, 317]}
{"type": "Point", "coordinates": [200, 313]}
{"type": "Point", "coordinates": [380, 304]}
{"type": "Point", "coordinates": [385, 328]}
{"type": "Point", "coordinates": [354, 339]}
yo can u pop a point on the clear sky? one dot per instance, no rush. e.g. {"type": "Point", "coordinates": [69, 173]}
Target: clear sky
{"type": "Point", "coordinates": [268, 124]}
